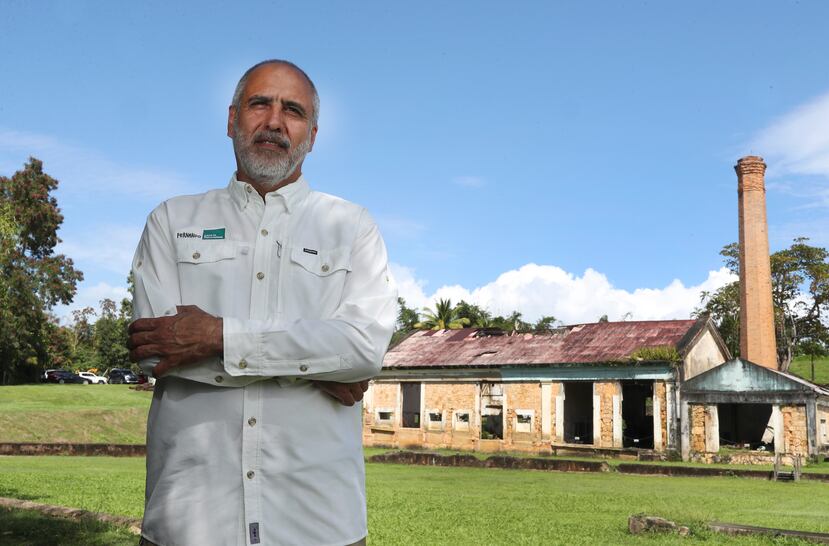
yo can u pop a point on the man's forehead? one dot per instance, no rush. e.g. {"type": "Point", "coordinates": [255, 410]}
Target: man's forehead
{"type": "Point", "coordinates": [278, 78]}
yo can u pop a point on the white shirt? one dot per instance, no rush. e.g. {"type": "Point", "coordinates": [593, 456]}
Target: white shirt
{"type": "Point", "coordinates": [240, 449]}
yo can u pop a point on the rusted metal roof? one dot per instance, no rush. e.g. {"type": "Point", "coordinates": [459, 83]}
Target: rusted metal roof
{"type": "Point", "coordinates": [600, 342]}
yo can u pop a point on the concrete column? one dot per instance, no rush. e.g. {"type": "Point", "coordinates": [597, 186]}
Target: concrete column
{"type": "Point", "coordinates": [757, 341]}
{"type": "Point", "coordinates": [546, 411]}
{"type": "Point", "coordinates": [559, 430]}
{"type": "Point", "coordinates": [657, 422]}
{"type": "Point", "coordinates": [811, 428]}
{"type": "Point", "coordinates": [777, 420]}
{"type": "Point", "coordinates": [670, 412]}
{"type": "Point", "coordinates": [712, 429]}
{"type": "Point", "coordinates": [476, 412]}
{"type": "Point", "coordinates": [597, 418]}
{"type": "Point", "coordinates": [685, 430]}
{"type": "Point", "coordinates": [617, 420]}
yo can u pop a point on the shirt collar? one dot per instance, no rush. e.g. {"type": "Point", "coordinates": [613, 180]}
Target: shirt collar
{"type": "Point", "coordinates": [292, 194]}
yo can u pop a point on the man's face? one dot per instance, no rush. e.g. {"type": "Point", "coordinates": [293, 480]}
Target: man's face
{"type": "Point", "coordinates": [272, 128]}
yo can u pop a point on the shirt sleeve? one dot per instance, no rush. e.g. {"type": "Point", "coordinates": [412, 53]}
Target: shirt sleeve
{"type": "Point", "coordinates": [347, 347]}
{"type": "Point", "coordinates": [157, 291]}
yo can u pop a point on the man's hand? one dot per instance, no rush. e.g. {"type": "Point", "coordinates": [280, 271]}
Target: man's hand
{"type": "Point", "coordinates": [346, 394]}
{"type": "Point", "coordinates": [184, 338]}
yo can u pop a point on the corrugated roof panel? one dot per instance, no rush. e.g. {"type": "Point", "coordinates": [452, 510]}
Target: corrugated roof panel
{"type": "Point", "coordinates": [582, 343]}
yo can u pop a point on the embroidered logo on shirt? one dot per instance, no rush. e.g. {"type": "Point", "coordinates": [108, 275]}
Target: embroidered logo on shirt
{"type": "Point", "coordinates": [213, 234]}
{"type": "Point", "coordinates": [187, 235]}
{"type": "Point", "coordinates": [310, 251]}
{"type": "Point", "coordinates": [254, 533]}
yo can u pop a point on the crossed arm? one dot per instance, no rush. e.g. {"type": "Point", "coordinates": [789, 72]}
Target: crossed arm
{"type": "Point", "coordinates": [192, 335]}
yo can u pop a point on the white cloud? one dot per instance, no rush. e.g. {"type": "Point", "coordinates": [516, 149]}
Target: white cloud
{"type": "Point", "coordinates": [537, 290]}
{"type": "Point", "coordinates": [797, 142]}
{"type": "Point", "coordinates": [82, 171]}
{"type": "Point", "coordinates": [469, 181]}
{"type": "Point", "coordinates": [90, 296]}
{"type": "Point", "coordinates": [108, 247]}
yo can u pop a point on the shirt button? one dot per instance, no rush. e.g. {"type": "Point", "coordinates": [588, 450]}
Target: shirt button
{"type": "Point", "coordinates": [252, 421]}
{"type": "Point", "coordinates": [248, 189]}
{"type": "Point", "coordinates": [264, 232]}
{"type": "Point", "coordinates": [325, 268]}
{"type": "Point", "coordinates": [219, 379]}
{"type": "Point", "coordinates": [139, 263]}
{"type": "Point", "coordinates": [243, 363]}
{"type": "Point", "coordinates": [303, 368]}
{"type": "Point", "coordinates": [251, 474]}
{"type": "Point", "coordinates": [260, 275]}
{"type": "Point", "coordinates": [196, 255]}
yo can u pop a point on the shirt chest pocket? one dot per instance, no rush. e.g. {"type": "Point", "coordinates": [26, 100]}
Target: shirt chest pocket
{"type": "Point", "coordinates": [209, 273]}
{"type": "Point", "coordinates": [317, 278]}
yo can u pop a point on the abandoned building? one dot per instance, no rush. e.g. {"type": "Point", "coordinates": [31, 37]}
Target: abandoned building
{"type": "Point", "coordinates": [581, 385]}
{"type": "Point", "coordinates": [664, 386]}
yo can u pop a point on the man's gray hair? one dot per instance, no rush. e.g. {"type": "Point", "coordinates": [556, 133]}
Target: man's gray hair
{"type": "Point", "coordinates": [315, 98]}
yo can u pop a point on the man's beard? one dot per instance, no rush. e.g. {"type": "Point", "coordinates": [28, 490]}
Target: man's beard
{"type": "Point", "coordinates": [265, 166]}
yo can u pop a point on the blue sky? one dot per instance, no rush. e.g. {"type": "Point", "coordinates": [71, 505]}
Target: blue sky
{"type": "Point", "coordinates": [572, 159]}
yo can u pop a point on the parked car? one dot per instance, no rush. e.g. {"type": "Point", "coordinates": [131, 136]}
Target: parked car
{"type": "Point", "coordinates": [64, 376]}
{"type": "Point", "coordinates": [45, 377]}
{"type": "Point", "coordinates": [94, 379]}
{"type": "Point", "coordinates": [122, 375]}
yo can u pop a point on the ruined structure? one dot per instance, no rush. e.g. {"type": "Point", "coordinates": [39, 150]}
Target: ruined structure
{"type": "Point", "coordinates": [757, 342]}
{"type": "Point", "coordinates": [746, 404]}
{"type": "Point", "coordinates": [610, 385]}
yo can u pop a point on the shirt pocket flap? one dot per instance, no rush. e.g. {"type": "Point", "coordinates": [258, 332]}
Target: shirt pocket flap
{"type": "Point", "coordinates": [322, 262]}
{"type": "Point", "coordinates": [205, 252]}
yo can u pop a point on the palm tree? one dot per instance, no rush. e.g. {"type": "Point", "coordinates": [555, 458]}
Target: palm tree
{"type": "Point", "coordinates": [444, 317]}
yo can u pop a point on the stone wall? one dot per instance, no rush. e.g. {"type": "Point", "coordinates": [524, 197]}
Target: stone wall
{"type": "Point", "coordinates": [697, 428]}
{"type": "Point", "coordinates": [522, 396]}
{"type": "Point", "coordinates": [795, 431]}
{"type": "Point", "coordinates": [606, 390]}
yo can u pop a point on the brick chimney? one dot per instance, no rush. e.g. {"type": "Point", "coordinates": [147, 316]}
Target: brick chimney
{"type": "Point", "coordinates": [757, 342]}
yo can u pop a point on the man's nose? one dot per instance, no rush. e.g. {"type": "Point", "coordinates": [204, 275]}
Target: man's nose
{"type": "Point", "coordinates": [276, 120]}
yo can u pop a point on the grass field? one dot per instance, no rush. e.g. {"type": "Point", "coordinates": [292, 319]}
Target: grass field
{"type": "Point", "coordinates": [29, 528]}
{"type": "Point", "coordinates": [802, 366]}
{"type": "Point", "coordinates": [458, 506]}
{"type": "Point", "coordinates": [73, 413]}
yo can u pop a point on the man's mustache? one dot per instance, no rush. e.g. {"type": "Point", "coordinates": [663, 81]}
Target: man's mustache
{"type": "Point", "coordinates": [272, 136]}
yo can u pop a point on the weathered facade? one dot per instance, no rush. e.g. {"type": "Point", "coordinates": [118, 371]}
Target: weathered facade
{"type": "Point", "coordinates": [752, 408]}
{"type": "Point", "coordinates": [580, 386]}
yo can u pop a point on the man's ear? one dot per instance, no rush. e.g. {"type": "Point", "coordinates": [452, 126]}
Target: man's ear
{"type": "Point", "coordinates": [231, 116]}
{"type": "Point", "coordinates": [313, 138]}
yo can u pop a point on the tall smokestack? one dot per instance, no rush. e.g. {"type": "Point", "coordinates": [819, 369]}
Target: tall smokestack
{"type": "Point", "coordinates": [757, 342]}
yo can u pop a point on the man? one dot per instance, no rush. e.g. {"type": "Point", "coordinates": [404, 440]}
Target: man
{"type": "Point", "coordinates": [263, 308]}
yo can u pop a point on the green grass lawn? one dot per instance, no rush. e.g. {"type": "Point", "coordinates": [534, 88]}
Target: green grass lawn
{"type": "Point", "coordinates": [73, 413]}
{"type": "Point", "coordinates": [458, 506]}
{"type": "Point", "coordinates": [802, 366]}
{"type": "Point", "coordinates": [29, 528]}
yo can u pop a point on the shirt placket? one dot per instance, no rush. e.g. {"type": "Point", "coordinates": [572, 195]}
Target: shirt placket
{"type": "Point", "coordinates": [263, 279]}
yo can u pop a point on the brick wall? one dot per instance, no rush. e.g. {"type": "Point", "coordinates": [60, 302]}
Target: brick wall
{"type": "Point", "coordinates": [795, 432]}
{"type": "Point", "coordinates": [606, 390]}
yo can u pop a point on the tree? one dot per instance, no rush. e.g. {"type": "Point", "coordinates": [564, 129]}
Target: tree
{"type": "Point", "coordinates": [476, 315]}
{"type": "Point", "coordinates": [444, 317]}
{"type": "Point", "coordinates": [407, 319]}
{"type": "Point", "coordinates": [33, 278]}
{"type": "Point", "coordinates": [546, 324]}
{"type": "Point", "coordinates": [800, 295]}
{"type": "Point", "coordinates": [110, 336]}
